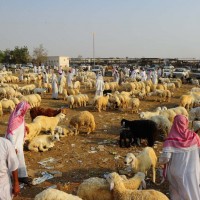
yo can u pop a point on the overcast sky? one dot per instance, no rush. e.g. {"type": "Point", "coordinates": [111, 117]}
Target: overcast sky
{"type": "Point", "coordinates": [132, 28]}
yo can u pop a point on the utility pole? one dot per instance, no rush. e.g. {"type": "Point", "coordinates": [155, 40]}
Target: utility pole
{"type": "Point", "coordinates": [93, 50]}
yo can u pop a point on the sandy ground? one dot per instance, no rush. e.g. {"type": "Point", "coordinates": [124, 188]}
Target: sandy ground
{"type": "Point", "coordinates": [80, 157]}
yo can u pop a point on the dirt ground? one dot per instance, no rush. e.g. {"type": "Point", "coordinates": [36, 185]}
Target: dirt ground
{"type": "Point", "coordinates": [83, 156]}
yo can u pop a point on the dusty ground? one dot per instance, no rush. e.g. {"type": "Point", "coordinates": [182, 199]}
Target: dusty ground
{"type": "Point", "coordinates": [78, 157]}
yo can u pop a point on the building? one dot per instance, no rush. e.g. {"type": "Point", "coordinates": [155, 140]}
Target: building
{"type": "Point", "coordinates": [58, 61]}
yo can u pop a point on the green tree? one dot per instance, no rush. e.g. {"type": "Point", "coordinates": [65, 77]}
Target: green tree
{"type": "Point", "coordinates": [40, 55]}
{"type": "Point", "coordinates": [2, 56]}
{"type": "Point", "coordinates": [20, 55]}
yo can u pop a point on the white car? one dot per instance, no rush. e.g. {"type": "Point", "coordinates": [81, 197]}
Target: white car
{"type": "Point", "coordinates": [180, 73]}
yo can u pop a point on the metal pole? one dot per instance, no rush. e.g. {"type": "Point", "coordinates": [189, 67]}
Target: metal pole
{"type": "Point", "coordinates": [93, 50]}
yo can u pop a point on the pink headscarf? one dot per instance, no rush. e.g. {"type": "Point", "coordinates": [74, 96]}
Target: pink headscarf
{"type": "Point", "coordinates": [17, 117]}
{"type": "Point", "coordinates": [180, 136]}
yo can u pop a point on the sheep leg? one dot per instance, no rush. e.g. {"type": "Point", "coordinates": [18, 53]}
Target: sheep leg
{"type": "Point", "coordinates": [154, 174]}
{"type": "Point", "coordinates": [89, 131]}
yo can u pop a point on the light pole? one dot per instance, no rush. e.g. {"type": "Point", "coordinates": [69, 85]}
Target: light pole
{"type": "Point", "coordinates": [93, 50]}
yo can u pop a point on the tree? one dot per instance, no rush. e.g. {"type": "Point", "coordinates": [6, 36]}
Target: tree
{"type": "Point", "coordinates": [2, 56]}
{"type": "Point", "coordinates": [40, 55]}
{"type": "Point", "coordinates": [20, 55]}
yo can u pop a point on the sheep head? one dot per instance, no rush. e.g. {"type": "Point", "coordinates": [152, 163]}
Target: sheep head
{"type": "Point", "coordinates": [111, 178]}
{"type": "Point", "coordinates": [130, 159]}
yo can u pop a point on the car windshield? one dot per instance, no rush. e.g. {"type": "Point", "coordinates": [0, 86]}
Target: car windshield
{"type": "Point", "coordinates": [179, 70]}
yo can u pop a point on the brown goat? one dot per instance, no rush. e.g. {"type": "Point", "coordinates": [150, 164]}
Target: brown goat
{"type": "Point", "coordinates": [49, 112]}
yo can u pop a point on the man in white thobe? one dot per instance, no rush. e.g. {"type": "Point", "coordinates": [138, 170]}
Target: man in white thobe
{"type": "Point", "coordinates": [8, 166]}
{"type": "Point", "coordinates": [99, 85]}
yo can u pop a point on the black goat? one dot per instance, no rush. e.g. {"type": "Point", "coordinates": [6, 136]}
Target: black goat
{"type": "Point", "coordinates": [107, 92]}
{"type": "Point", "coordinates": [140, 129]}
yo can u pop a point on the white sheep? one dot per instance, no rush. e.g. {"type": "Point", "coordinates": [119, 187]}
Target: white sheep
{"type": "Point", "coordinates": [186, 101]}
{"type": "Point", "coordinates": [54, 194]}
{"type": "Point", "coordinates": [7, 104]}
{"type": "Point", "coordinates": [43, 142]}
{"type": "Point", "coordinates": [63, 132]}
{"type": "Point", "coordinates": [195, 89]}
{"type": "Point", "coordinates": [194, 114]}
{"type": "Point", "coordinates": [101, 102]}
{"type": "Point", "coordinates": [90, 187]}
{"type": "Point", "coordinates": [134, 103]}
{"type": "Point", "coordinates": [148, 115]}
{"type": "Point", "coordinates": [49, 123]}
{"type": "Point", "coordinates": [163, 123]}
{"type": "Point", "coordinates": [121, 193]}
{"type": "Point", "coordinates": [144, 161]}
{"type": "Point", "coordinates": [83, 119]}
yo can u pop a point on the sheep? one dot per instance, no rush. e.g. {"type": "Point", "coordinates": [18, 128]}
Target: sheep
{"type": "Point", "coordinates": [49, 123]}
{"type": "Point", "coordinates": [84, 118]}
{"type": "Point", "coordinates": [63, 132]}
{"type": "Point", "coordinates": [102, 102]}
{"type": "Point", "coordinates": [195, 89]}
{"type": "Point", "coordinates": [89, 189]}
{"type": "Point", "coordinates": [15, 100]}
{"type": "Point", "coordinates": [33, 129]}
{"type": "Point", "coordinates": [196, 126]}
{"type": "Point", "coordinates": [36, 111]}
{"type": "Point", "coordinates": [32, 99]}
{"type": "Point", "coordinates": [43, 142]}
{"type": "Point", "coordinates": [163, 124]}
{"type": "Point", "coordinates": [143, 162]}
{"type": "Point", "coordinates": [142, 129]}
{"type": "Point", "coordinates": [195, 82]}
{"type": "Point", "coordinates": [121, 193]}
{"type": "Point", "coordinates": [135, 103]}
{"type": "Point", "coordinates": [194, 114]}
{"type": "Point", "coordinates": [40, 91]}
{"type": "Point", "coordinates": [148, 115]}
{"type": "Point", "coordinates": [7, 104]}
{"type": "Point", "coordinates": [54, 194]}
{"type": "Point", "coordinates": [186, 101]}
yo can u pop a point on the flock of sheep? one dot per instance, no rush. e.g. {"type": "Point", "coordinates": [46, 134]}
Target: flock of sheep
{"type": "Point", "coordinates": [45, 128]}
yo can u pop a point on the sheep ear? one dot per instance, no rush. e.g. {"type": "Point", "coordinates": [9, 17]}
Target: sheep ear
{"type": "Point", "coordinates": [144, 185]}
{"type": "Point", "coordinates": [112, 185]}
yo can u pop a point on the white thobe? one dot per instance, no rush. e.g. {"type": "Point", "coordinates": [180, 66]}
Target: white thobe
{"type": "Point", "coordinates": [99, 87]}
{"type": "Point", "coordinates": [8, 164]}
{"type": "Point", "coordinates": [54, 88]}
{"type": "Point", "coordinates": [17, 139]}
{"type": "Point", "coordinates": [69, 80]}
{"type": "Point", "coordinates": [183, 173]}
{"type": "Point", "coordinates": [143, 76]}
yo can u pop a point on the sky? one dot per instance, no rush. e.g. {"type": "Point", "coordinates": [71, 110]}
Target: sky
{"type": "Point", "coordinates": [120, 28]}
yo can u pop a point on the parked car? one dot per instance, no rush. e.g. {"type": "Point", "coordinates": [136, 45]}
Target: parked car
{"type": "Point", "coordinates": [180, 73]}
{"type": "Point", "coordinates": [167, 73]}
{"type": "Point", "coordinates": [97, 68]}
{"type": "Point", "coordinates": [195, 73]}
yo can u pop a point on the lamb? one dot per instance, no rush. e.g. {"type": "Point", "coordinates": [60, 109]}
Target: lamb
{"type": "Point", "coordinates": [89, 189]}
{"type": "Point", "coordinates": [63, 132]}
{"type": "Point", "coordinates": [43, 142]}
{"type": "Point", "coordinates": [32, 99]}
{"type": "Point", "coordinates": [49, 123]}
{"type": "Point", "coordinates": [85, 119]}
{"type": "Point", "coordinates": [36, 111]}
{"type": "Point", "coordinates": [54, 194]}
{"type": "Point", "coordinates": [15, 100]}
{"type": "Point", "coordinates": [143, 162]}
{"type": "Point", "coordinates": [121, 193]}
{"type": "Point", "coordinates": [142, 129]}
